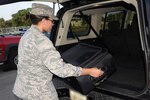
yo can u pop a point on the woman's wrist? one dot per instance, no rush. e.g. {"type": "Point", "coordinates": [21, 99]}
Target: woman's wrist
{"type": "Point", "coordinates": [85, 71]}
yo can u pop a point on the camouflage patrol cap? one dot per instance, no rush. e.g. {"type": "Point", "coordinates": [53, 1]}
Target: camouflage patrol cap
{"type": "Point", "coordinates": [43, 10]}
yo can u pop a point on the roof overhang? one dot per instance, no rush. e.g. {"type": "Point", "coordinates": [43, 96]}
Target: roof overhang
{"type": "Point", "coordinates": [2, 2]}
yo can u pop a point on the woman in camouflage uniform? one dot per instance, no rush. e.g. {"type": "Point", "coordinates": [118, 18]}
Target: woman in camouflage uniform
{"type": "Point", "coordinates": [38, 60]}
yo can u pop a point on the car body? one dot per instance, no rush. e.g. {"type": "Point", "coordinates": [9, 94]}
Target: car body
{"type": "Point", "coordinates": [9, 49]}
{"type": "Point", "coordinates": [123, 27]}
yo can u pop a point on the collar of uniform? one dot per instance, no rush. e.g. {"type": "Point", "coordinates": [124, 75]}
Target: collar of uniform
{"type": "Point", "coordinates": [36, 28]}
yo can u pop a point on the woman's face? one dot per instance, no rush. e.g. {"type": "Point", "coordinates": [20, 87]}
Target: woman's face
{"type": "Point", "coordinates": [48, 24]}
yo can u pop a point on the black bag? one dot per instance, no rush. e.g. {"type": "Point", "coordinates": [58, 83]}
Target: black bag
{"type": "Point", "coordinates": [88, 56]}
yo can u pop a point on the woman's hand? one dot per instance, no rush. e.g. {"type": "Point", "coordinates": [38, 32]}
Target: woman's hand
{"type": "Point", "coordinates": [94, 72]}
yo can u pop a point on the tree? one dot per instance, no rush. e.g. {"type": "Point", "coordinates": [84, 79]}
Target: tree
{"type": "Point", "coordinates": [20, 19]}
{"type": "Point", "coordinates": [2, 23]}
{"type": "Point", "coordinates": [8, 23]}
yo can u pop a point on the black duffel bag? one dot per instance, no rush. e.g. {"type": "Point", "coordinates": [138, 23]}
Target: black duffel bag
{"type": "Point", "coordinates": [87, 56]}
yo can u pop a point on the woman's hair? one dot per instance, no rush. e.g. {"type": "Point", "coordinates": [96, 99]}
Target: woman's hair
{"type": "Point", "coordinates": [36, 18]}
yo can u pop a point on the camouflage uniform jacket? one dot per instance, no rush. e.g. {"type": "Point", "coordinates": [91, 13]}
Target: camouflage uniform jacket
{"type": "Point", "coordinates": [38, 60]}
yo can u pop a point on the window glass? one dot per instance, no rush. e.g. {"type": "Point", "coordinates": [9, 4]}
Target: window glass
{"type": "Point", "coordinates": [131, 19]}
{"type": "Point", "coordinates": [112, 17]}
{"type": "Point", "coordinates": [147, 8]}
{"type": "Point", "coordinates": [78, 26]}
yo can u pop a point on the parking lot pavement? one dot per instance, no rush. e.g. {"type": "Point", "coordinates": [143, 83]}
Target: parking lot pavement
{"type": "Point", "coordinates": [7, 80]}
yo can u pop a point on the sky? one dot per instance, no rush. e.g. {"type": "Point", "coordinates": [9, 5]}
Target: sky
{"type": "Point", "coordinates": [7, 10]}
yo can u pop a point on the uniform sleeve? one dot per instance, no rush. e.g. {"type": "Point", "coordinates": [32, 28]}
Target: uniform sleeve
{"type": "Point", "coordinates": [52, 60]}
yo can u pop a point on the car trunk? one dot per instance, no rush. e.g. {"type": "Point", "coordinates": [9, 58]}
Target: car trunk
{"type": "Point", "coordinates": [130, 77]}
{"type": "Point", "coordinates": [125, 47]}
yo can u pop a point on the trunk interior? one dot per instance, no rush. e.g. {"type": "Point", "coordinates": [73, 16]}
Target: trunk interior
{"type": "Point", "coordinates": [126, 49]}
